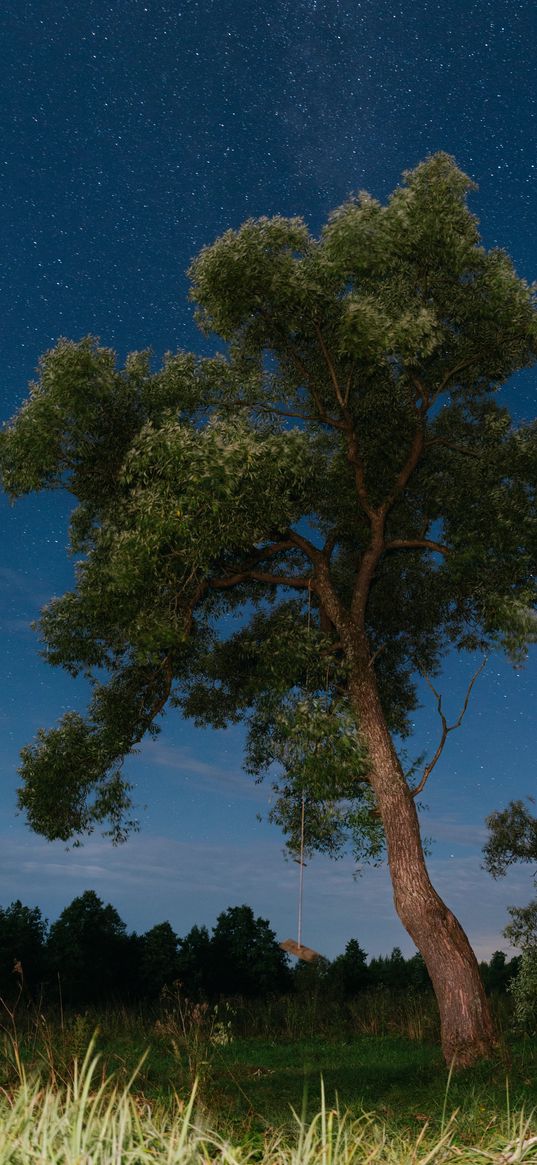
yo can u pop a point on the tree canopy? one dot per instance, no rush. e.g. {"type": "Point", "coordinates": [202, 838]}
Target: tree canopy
{"type": "Point", "coordinates": [225, 505]}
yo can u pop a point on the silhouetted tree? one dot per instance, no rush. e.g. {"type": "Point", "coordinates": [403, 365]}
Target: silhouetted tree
{"type": "Point", "coordinates": [348, 973]}
{"type": "Point", "coordinates": [194, 963]}
{"type": "Point", "coordinates": [418, 978]}
{"type": "Point", "coordinates": [159, 963]}
{"type": "Point", "coordinates": [88, 947]}
{"type": "Point", "coordinates": [246, 957]}
{"type": "Point", "coordinates": [498, 973]}
{"type": "Point", "coordinates": [22, 939]}
{"type": "Point", "coordinates": [389, 971]}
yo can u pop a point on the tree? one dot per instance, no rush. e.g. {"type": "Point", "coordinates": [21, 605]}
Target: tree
{"type": "Point", "coordinates": [348, 973]}
{"type": "Point", "coordinates": [158, 959]}
{"type": "Point", "coordinates": [513, 838]}
{"type": "Point", "coordinates": [245, 957]}
{"type": "Point", "coordinates": [23, 933]}
{"type": "Point", "coordinates": [497, 974]}
{"type": "Point", "coordinates": [88, 947]}
{"type": "Point", "coordinates": [391, 971]}
{"type": "Point", "coordinates": [194, 966]}
{"type": "Point", "coordinates": [345, 482]}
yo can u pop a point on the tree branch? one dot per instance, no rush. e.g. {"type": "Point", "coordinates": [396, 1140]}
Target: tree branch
{"type": "Point", "coordinates": [274, 548]}
{"type": "Point", "coordinates": [416, 544]}
{"type": "Point", "coordinates": [280, 580]}
{"type": "Point", "coordinates": [455, 448]}
{"type": "Point", "coordinates": [296, 357]}
{"type": "Point", "coordinates": [444, 383]}
{"type": "Point", "coordinates": [161, 701]}
{"type": "Point", "coordinates": [330, 366]}
{"type": "Point", "coordinates": [308, 548]}
{"type": "Point", "coordinates": [354, 458]}
{"type": "Point", "coordinates": [406, 471]}
{"type": "Point", "coordinates": [446, 728]}
{"type": "Point", "coordinates": [329, 545]}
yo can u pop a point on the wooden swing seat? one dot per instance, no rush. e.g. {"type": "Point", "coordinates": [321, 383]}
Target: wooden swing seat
{"type": "Point", "coordinates": [300, 952]}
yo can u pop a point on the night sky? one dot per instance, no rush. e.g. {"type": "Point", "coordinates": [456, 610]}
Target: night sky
{"type": "Point", "coordinates": [134, 133]}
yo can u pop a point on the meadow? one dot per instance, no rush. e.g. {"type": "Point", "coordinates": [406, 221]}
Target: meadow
{"type": "Point", "coordinates": [288, 1080]}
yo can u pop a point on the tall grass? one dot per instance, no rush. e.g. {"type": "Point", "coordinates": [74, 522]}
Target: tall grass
{"type": "Point", "coordinates": [93, 1121]}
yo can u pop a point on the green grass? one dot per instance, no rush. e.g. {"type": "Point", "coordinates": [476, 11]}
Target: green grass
{"type": "Point", "coordinates": [93, 1121]}
{"type": "Point", "coordinates": [388, 1098]}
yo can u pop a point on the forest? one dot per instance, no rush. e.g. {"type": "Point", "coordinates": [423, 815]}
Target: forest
{"type": "Point", "coordinates": [88, 957]}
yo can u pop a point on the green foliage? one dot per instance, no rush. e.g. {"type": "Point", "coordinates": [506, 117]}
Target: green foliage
{"type": "Point", "coordinates": [522, 930]}
{"type": "Point", "coordinates": [216, 499]}
{"type": "Point", "coordinates": [319, 800]}
{"type": "Point", "coordinates": [524, 989]}
{"type": "Point", "coordinates": [512, 838]}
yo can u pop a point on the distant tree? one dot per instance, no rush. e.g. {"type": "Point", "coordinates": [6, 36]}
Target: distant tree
{"type": "Point", "coordinates": [311, 979]}
{"type": "Point", "coordinates": [348, 973]}
{"type": "Point", "coordinates": [246, 958]}
{"type": "Point", "coordinates": [417, 973]}
{"type": "Point", "coordinates": [390, 971]}
{"type": "Point", "coordinates": [158, 958]}
{"type": "Point", "coordinates": [87, 947]}
{"type": "Point", "coordinates": [343, 481]}
{"type": "Point", "coordinates": [23, 933]}
{"type": "Point", "coordinates": [498, 973]}
{"type": "Point", "coordinates": [513, 838]}
{"type": "Point", "coordinates": [194, 963]}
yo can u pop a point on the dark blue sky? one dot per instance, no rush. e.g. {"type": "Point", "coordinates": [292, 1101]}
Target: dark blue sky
{"type": "Point", "coordinates": [134, 133]}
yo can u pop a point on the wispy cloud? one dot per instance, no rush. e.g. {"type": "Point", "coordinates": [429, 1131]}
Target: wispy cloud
{"type": "Point", "coordinates": [154, 877]}
{"type": "Point", "coordinates": [219, 777]}
{"type": "Point", "coordinates": [449, 829]}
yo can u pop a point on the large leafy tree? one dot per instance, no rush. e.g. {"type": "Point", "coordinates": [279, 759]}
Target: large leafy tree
{"type": "Point", "coordinates": [292, 531]}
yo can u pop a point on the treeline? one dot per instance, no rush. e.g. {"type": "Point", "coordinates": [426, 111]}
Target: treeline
{"type": "Point", "coordinates": [87, 956]}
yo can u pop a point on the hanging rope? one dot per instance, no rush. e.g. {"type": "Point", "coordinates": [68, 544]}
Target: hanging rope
{"type": "Point", "coordinates": [305, 953]}
{"type": "Point", "coordinates": [301, 864]}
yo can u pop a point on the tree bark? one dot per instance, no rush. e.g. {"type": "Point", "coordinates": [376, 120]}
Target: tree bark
{"type": "Point", "coordinates": [467, 1028]}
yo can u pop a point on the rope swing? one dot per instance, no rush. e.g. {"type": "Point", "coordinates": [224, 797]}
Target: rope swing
{"type": "Point", "coordinates": [307, 954]}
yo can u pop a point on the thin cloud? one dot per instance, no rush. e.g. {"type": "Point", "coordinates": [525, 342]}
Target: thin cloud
{"type": "Point", "coordinates": [210, 775]}
{"type": "Point", "coordinates": [153, 878]}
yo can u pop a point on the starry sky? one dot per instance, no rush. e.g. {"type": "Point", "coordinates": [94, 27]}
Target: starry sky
{"type": "Point", "coordinates": [134, 132]}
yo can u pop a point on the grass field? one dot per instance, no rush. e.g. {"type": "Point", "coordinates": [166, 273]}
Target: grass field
{"type": "Point", "coordinates": [191, 1086]}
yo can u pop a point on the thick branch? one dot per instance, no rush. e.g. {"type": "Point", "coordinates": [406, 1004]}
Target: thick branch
{"type": "Point", "coordinates": [354, 458]}
{"type": "Point", "coordinates": [274, 548]}
{"type": "Point", "coordinates": [446, 728]}
{"type": "Point", "coordinates": [330, 366]}
{"type": "Point", "coordinates": [416, 544]}
{"type": "Point", "coordinates": [309, 549]}
{"type": "Point", "coordinates": [278, 580]}
{"type": "Point", "coordinates": [334, 422]}
{"type": "Point", "coordinates": [406, 471]}
{"type": "Point", "coordinates": [161, 702]}
{"type": "Point", "coordinates": [450, 445]}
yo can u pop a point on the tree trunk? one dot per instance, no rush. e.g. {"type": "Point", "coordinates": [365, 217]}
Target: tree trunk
{"type": "Point", "coordinates": [466, 1023]}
